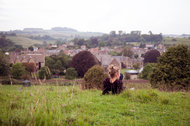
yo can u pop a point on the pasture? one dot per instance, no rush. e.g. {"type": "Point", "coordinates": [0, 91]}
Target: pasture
{"type": "Point", "coordinates": [70, 105]}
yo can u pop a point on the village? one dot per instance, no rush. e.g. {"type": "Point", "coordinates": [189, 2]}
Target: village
{"type": "Point", "coordinates": [37, 55]}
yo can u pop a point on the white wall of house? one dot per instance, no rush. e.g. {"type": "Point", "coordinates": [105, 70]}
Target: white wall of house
{"type": "Point", "coordinates": [133, 77]}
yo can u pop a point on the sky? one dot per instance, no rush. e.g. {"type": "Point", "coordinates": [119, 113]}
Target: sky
{"type": "Point", "coordinates": [158, 16]}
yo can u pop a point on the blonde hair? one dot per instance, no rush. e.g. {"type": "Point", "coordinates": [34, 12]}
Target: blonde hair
{"type": "Point", "coordinates": [113, 69]}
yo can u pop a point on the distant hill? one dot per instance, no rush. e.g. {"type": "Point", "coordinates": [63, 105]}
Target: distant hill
{"type": "Point", "coordinates": [31, 36]}
{"type": "Point", "coordinates": [64, 29]}
{"type": "Point", "coordinates": [33, 29]}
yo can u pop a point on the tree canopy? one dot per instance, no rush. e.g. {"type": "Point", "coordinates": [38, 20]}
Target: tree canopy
{"type": "Point", "coordinates": [8, 45]}
{"type": "Point", "coordinates": [151, 56]}
{"type": "Point", "coordinates": [83, 61]}
{"type": "Point", "coordinates": [57, 64]}
{"type": "Point", "coordinates": [172, 69]}
{"type": "Point", "coordinates": [4, 64]}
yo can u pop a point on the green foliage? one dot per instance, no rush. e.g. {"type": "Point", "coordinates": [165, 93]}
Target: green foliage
{"type": "Point", "coordinates": [136, 66]}
{"type": "Point", "coordinates": [83, 61]}
{"type": "Point", "coordinates": [94, 78]}
{"type": "Point", "coordinates": [57, 64]}
{"type": "Point", "coordinates": [4, 65]}
{"type": "Point", "coordinates": [127, 76]}
{"type": "Point", "coordinates": [44, 73]}
{"type": "Point", "coordinates": [17, 70]}
{"type": "Point", "coordinates": [8, 45]}
{"type": "Point", "coordinates": [113, 53]}
{"type": "Point", "coordinates": [71, 73]}
{"type": "Point", "coordinates": [30, 67]}
{"type": "Point", "coordinates": [147, 71]}
{"type": "Point", "coordinates": [69, 105]}
{"type": "Point", "coordinates": [127, 52]}
{"type": "Point", "coordinates": [173, 69]}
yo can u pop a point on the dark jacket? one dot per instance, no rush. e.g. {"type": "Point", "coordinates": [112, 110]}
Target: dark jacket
{"type": "Point", "coordinates": [116, 87]}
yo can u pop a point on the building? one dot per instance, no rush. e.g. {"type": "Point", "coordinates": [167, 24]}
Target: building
{"type": "Point", "coordinates": [38, 59]}
{"type": "Point", "coordinates": [133, 74]}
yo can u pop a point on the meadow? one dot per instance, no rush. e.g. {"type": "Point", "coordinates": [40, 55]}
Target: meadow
{"type": "Point", "coordinates": [70, 105]}
{"type": "Point", "coordinates": [176, 41]}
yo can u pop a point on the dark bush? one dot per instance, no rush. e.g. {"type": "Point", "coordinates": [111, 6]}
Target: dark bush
{"type": "Point", "coordinates": [71, 73]}
{"type": "Point", "coordinates": [94, 78]}
{"type": "Point", "coordinates": [44, 73]}
{"type": "Point", "coordinates": [151, 56]}
{"type": "Point", "coordinates": [83, 61]}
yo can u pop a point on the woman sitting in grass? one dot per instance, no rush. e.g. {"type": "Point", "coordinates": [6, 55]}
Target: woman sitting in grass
{"type": "Point", "coordinates": [114, 82]}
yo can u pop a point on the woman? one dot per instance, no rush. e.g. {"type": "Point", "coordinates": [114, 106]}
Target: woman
{"type": "Point", "coordinates": [113, 83]}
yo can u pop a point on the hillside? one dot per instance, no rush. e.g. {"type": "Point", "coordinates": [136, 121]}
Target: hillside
{"type": "Point", "coordinates": [24, 41]}
{"type": "Point", "coordinates": [69, 105]}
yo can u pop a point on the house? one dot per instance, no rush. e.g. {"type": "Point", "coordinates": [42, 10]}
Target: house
{"type": "Point", "coordinates": [38, 59]}
{"type": "Point", "coordinates": [106, 60]}
{"type": "Point", "coordinates": [133, 74]}
{"type": "Point", "coordinates": [83, 47]}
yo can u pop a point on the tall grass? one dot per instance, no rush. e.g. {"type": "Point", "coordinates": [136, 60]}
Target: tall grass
{"type": "Point", "coordinates": [69, 105]}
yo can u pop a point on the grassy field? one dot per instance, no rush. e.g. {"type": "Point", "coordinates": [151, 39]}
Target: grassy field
{"type": "Point", "coordinates": [25, 42]}
{"type": "Point", "coordinates": [69, 105]}
{"type": "Point", "coordinates": [168, 40]}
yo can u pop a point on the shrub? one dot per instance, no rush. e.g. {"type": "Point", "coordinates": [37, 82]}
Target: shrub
{"type": "Point", "coordinates": [44, 73]}
{"type": "Point", "coordinates": [147, 70]}
{"type": "Point", "coordinates": [83, 61]}
{"type": "Point", "coordinates": [17, 70]}
{"type": "Point", "coordinates": [71, 73]}
{"type": "Point", "coordinates": [173, 69]}
{"type": "Point", "coordinates": [4, 65]}
{"type": "Point", "coordinates": [151, 56]}
{"type": "Point", "coordinates": [94, 78]}
{"type": "Point", "coordinates": [30, 67]}
{"type": "Point", "coordinates": [127, 76]}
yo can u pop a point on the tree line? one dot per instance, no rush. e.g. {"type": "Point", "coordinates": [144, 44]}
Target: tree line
{"type": "Point", "coordinates": [121, 38]}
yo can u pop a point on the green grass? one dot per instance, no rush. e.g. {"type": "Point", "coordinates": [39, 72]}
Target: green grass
{"type": "Point", "coordinates": [123, 70]}
{"type": "Point", "coordinates": [69, 105]}
{"type": "Point", "coordinates": [25, 42]}
{"type": "Point", "coordinates": [168, 40]}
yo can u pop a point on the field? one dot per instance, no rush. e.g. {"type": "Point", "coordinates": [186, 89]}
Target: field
{"type": "Point", "coordinates": [25, 42]}
{"type": "Point", "coordinates": [69, 105]}
{"type": "Point", "coordinates": [171, 41]}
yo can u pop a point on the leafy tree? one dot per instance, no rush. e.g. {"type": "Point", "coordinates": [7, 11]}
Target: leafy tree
{"type": "Point", "coordinates": [71, 73]}
{"type": "Point", "coordinates": [44, 73]}
{"type": "Point", "coordinates": [30, 67]}
{"type": "Point", "coordinates": [17, 70]}
{"type": "Point", "coordinates": [94, 78]}
{"type": "Point", "coordinates": [136, 66]}
{"type": "Point", "coordinates": [151, 56]}
{"type": "Point", "coordinates": [83, 61]}
{"type": "Point", "coordinates": [127, 52]}
{"type": "Point", "coordinates": [31, 48]}
{"type": "Point", "coordinates": [8, 45]}
{"type": "Point", "coordinates": [147, 71]}
{"type": "Point", "coordinates": [4, 64]}
{"type": "Point", "coordinates": [57, 64]}
{"type": "Point", "coordinates": [173, 69]}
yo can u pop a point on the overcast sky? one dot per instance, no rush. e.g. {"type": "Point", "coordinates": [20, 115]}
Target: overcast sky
{"type": "Point", "coordinates": [159, 16]}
